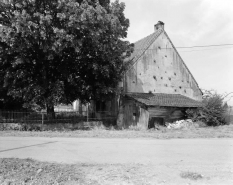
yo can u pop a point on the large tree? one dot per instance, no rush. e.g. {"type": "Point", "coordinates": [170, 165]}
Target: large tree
{"type": "Point", "coordinates": [56, 51]}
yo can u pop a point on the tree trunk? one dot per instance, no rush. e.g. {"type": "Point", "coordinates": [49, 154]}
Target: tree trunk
{"type": "Point", "coordinates": [50, 111]}
{"type": "Point", "coordinates": [80, 107]}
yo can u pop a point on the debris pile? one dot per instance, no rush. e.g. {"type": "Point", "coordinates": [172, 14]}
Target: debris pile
{"type": "Point", "coordinates": [180, 124]}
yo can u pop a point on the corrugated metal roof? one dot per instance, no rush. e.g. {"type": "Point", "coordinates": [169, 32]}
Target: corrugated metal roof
{"type": "Point", "coordinates": [164, 100]}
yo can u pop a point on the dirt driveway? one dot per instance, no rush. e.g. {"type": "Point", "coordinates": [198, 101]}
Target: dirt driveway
{"type": "Point", "coordinates": [166, 160]}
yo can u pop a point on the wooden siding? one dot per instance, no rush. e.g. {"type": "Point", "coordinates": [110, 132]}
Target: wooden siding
{"type": "Point", "coordinates": [166, 112]}
{"type": "Point", "coordinates": [132, 114]}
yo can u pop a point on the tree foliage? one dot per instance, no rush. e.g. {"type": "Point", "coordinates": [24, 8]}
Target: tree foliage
{"type": "Point", "coordinates": [213, 110]}
{"type": "Point", "coordinates": [56, 51]}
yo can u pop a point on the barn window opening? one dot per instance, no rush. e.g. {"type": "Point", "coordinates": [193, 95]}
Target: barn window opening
{"type": "Point", "coordinates": [161, 77]}
{"type": "Point", "coordinates": [166, 56]}
{"type": "Point", "coordinates": [133, 81]}
{"type": "Point", "coordinates": [165, 71]}
{"type": "Point", "coordinates": [169, 78]}
{"type": "Point", "coordinates": [155, 77]}
{"type": "Point", "coordinates": [154, 61]}
{"type": "Point", "coordinates": [180, 87]}
{"type": "Point", "coordinates": [165, 85]}
{"type": "Point", "coordinates": [185, 91]}
{"type": "Point", "coordinates": [150, 92]}
{"type": "Point", "coordinates": [175, 74]}
{"type": "Point", "coordinates": [175, 90]}
{"type": "Point", "coordinates": [159, 47]}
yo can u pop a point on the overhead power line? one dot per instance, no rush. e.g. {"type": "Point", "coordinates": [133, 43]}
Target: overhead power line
{"type": "Point", "coordinates": [203, 46]}
{"type": "Point", "coordinates": [204, 49]}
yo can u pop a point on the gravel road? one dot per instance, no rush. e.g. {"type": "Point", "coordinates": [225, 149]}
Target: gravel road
{"type": "Point", "coordinates": [168, 159]}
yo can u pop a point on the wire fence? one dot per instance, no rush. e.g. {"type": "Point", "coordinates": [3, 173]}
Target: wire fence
{"type": "Point", "coordinates": [29, 117]}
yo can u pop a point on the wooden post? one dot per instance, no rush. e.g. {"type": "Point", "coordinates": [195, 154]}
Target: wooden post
{"type": "Point", "coordinates": [42, 118]}
{"type": "Point", "coordinates": [87, 112]}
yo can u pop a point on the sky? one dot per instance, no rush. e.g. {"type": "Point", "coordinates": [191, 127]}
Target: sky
{"type": "Point", "coordinates": [191, 23]}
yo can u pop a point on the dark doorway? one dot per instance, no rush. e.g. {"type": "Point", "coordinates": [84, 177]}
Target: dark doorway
{"type": "Point", "coordinates": [155, 121]}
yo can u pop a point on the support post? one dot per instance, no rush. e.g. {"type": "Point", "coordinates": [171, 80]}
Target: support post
{"type": "Point", "coordinates": [87, 112]}
{"type": "Point", "coordinates": [42, 118]}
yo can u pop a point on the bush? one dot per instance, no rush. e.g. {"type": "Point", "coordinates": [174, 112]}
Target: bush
{"type": "Point", "coordinates": [212, 112]}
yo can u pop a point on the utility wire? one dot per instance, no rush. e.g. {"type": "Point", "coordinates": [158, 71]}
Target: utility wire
{"type": "Point", "coordinates": [205, 46]}
{"type": "Point", "coordinates": [217, 45]}
{"type": "Point", "coordinates": [205, 49]}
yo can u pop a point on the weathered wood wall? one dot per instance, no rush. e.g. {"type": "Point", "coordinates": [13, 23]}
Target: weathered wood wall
{"type": "Point", "coordinates": [168, 113]}
{"type": "Point", "coordinates": [135, 114]}
{"type": "Point", "coordinates": [132, 114]}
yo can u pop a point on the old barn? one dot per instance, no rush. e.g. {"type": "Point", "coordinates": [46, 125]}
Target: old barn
{"type": "Point", "coordinates": [157, 86]}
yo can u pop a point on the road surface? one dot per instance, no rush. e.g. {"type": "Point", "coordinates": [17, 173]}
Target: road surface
{"type": "Point", "coordinates": [111, 151]}
{"type": "Point", "coordinates": [211, 157]}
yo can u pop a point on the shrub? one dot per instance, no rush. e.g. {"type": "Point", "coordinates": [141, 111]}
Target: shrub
{"type": "Point", "coordinates": [212, 112]}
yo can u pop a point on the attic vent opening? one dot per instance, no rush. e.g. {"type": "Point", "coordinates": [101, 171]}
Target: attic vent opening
{"type": "Point", "coordinates": [154, 61]}
{"type": "Point", "coordinates": [159, 47]}
{"type": "Point", "coordinates": [180, 87]}
{"type": "Point", "coordinates": [161, 77]}
{"type": "Point", "coordinates": [155, 77]}
{"type": "Point", "coordinates": [169, 78]}
{"type": "Point", "coordinates": [165, 71]}
{"type": "Point", "coordinates": [175, 74]}
{"type": "Point", "coordinates": [165, 85]}
{"type": "Point", "coordinates": [175, 90]}
{"type": "Point", "coordinates": [166, 56]}
{"type": "Point", "coordinates": [184, 91]}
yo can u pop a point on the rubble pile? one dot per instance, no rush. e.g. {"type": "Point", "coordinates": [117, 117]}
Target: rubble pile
{"type": "Point", "coordinates": [180, 124]}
